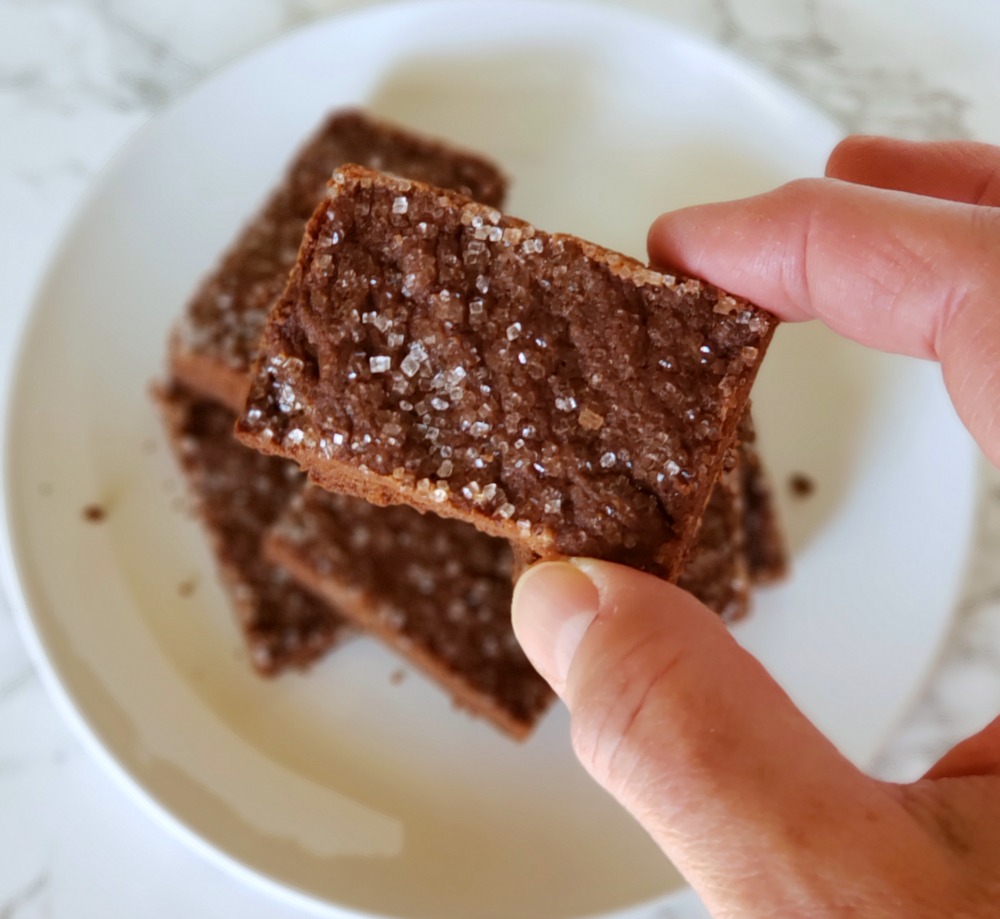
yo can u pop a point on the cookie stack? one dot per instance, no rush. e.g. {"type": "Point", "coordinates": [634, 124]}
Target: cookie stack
{"type": "Point", "coordinates": [467, 394]}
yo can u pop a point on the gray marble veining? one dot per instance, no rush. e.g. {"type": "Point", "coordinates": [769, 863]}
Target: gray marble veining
{"type": "Point", "coordinates": [864, 97]}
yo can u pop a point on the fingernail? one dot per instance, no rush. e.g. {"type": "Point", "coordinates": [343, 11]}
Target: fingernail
{"type": "Point", "coordinates": [554, 604]}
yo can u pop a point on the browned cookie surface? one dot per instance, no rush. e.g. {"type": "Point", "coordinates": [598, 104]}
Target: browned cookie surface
{"type": "Point", "coordinates": [214, 346]}
{"type": "Point", "coordinates": [239, 493]}
{"type": "Point", "coordinates": [437, 590]}
{"type": "Point", "coordinates": [429, 350]}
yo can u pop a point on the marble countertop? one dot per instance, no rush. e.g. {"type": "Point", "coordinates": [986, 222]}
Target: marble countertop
{"type": "Point", "coordinates": [78, 76]}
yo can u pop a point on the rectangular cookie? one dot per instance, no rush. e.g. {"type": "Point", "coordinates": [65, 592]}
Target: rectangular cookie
{"type": "Point", "coordinates": [238, 494]}
{"type": "Point", "coordinates": [429, 350]}
{"type": "Point", "coordinates": [436, 590]}
{"type": "Point", "coordinates": [213, 347]}
{"type": "Point", "coordinates": [767, 553]}
{"type": "Point", "coordinates": [717, 570]}
{"type": "Point", "coordinates": [740, 542]}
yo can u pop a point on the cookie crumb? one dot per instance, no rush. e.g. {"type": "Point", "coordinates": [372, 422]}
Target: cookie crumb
{"type": "Point", "coordinates": [94, 513]}
{"type": "Point", "coordinates": [186, 588]}
{"type": "Point", "coordinates": [801, 485]}
{"type": "Point", "coordinates": [397, 676]}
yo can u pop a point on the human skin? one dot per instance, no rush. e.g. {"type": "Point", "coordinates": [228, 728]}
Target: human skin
{"type": "Point", "coordinates": [898, 248]}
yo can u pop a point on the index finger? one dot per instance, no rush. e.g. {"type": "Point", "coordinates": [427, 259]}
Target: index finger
{"type": "Point", "coordinates": [891, 270]}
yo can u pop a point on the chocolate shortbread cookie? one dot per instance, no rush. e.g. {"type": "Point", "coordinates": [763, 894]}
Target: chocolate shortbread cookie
{"type": "Point", "coordinates": [238, 494]}
{"type": "Point", "coordinates": [429, 350]}
{"type": "Point", "coordinates": [436, 590]}
{"type": "Point", "coordinates": [717, 570]}
{"type": "Point", "coordinates": [767, 553]}
{"type": "Point", "coordinates": [213, 347]}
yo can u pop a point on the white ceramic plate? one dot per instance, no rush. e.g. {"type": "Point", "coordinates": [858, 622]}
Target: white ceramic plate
{"type": "Point", "coordinates": [340, 788]}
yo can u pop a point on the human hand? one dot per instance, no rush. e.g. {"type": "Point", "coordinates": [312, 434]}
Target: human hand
{"type": "Point", "coordinates": [898, 249]}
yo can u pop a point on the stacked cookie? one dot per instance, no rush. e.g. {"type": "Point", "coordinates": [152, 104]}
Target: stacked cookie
{"type": "Point", "coordinates": [468, 394]}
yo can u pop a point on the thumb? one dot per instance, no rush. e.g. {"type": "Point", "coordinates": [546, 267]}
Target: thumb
{"type": "Point", "coordinates": [695, 739]}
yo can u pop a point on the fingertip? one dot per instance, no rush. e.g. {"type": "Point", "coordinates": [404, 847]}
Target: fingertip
{"type": "Point", "coordinates": [619, 584]}
{"type": "Point", "coordinates": [664, 242]}
{"type": "Point", "coordinates": [695, 241]}
{"type": "Point", "coordinates": [552, 608]}
{"type": "Point", "coordinates": [749, 247]}
{"type": "Point", "coordinates": [849, 153]}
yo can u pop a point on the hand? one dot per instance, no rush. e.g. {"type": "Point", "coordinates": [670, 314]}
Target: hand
{"type": "Point", "coordinates": [899, 248]}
